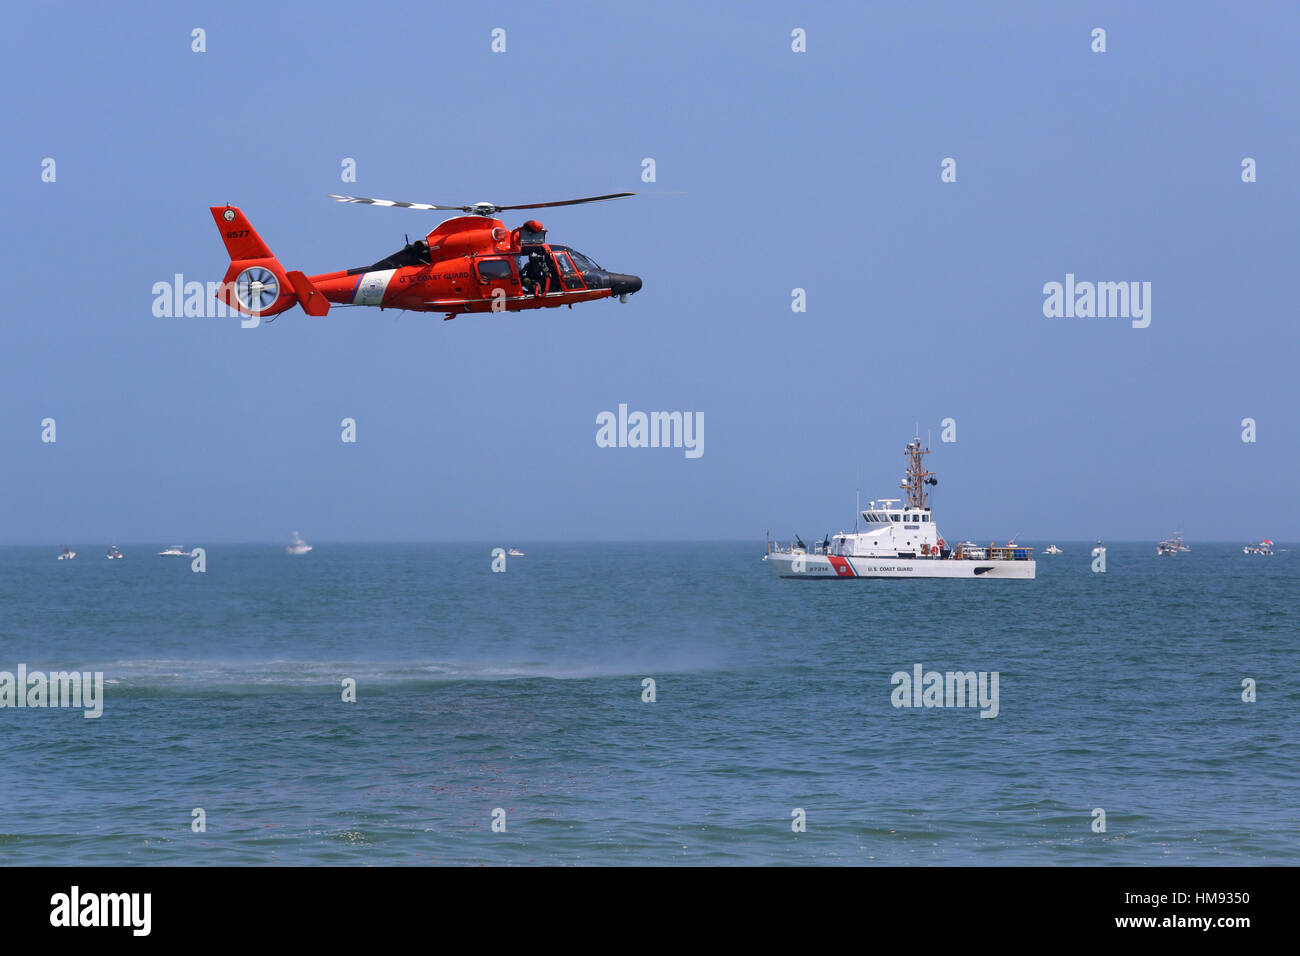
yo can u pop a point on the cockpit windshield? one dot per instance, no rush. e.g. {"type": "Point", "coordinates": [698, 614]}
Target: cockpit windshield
{"type": "Point", "coordinates": [584, 263]}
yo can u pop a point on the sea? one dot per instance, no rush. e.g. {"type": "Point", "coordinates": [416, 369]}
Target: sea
{"type": "Point", "coordinates": [648, 704]}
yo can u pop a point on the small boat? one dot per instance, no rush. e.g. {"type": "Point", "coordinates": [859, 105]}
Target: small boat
{"type": "Point", "coordinates": [1172, 545]}
{"type": "Point", "coordinates": [1265, 548]}
{"type": "Point", "coordinates": [515, 553]}
{"type": "Point", "coordinates": [1052, 549]}
{"type": "Point", "coordinates": [297, 545]}
{"type": "Point", "coordinates": [175, 550]}
{"type": "Point", "coordinates": [68, 554]}
{"type": "Point", "coordinates": [113, 553]}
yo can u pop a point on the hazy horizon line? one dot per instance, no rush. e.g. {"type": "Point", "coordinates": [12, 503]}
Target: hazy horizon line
{"type": "Point", "coordinates": [545, 541]}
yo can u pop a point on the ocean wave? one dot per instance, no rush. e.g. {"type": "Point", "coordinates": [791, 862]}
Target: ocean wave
{"type": "Point", "coordinates": [171, 677]}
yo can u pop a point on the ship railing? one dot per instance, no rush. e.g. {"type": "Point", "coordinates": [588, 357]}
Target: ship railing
{"type": "Point", "coordinates": [1011, 553]}
{"type": "Point", "coordinates": [779, 548]}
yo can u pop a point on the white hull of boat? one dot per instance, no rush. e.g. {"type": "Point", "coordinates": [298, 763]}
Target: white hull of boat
{"type": "Point", "coordinates": [826, 567]}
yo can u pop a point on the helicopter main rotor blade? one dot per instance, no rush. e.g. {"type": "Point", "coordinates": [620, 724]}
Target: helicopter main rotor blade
{"type": "Point", "coordinates": [395, 202]}
{"type": "Point", "coordinates": [566, 202]}
{"type": "Point", "coordinates": [481, 208]}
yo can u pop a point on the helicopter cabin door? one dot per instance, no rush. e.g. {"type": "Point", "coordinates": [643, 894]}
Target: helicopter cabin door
{"type": "Point", "coordinates": [494, 274]}
{"type": "Point", "coordinates": [570, 278]}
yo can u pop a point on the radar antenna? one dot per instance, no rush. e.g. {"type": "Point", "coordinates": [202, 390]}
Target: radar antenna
{"type": "Point", "coordinates": [917, 477]}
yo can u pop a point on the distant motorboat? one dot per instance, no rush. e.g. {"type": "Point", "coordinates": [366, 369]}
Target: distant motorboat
{"type": "Point", "coordinates": [515, 553]}
{"type": "Point", "coordinates": [175, 550]}
{"type": "Point", "coordinates": [1172, 545]}
{"type": "Point", "coordinates": [297, 545]}
{"type": "Point", "coordinates": [1052, 549]}
{"type": "Point", "coordinates": [1265, 548]}
{"type": "Point", "coordinates": [68, 554]}
{"type": "Point", "coordinates": [113, 553]}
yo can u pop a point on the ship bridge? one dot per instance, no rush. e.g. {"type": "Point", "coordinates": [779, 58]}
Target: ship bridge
{"type": "Point", "coordinates": [886, 511]}
{"type": "Point", "coordinates": [890, 530]}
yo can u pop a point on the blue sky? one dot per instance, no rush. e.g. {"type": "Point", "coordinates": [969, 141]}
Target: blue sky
{"type": "Point", "coordinates": [775, 170]}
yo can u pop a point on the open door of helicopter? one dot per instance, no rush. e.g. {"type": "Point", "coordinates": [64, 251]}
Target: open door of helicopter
{"type": "Point", "coordinates": [538, 271]}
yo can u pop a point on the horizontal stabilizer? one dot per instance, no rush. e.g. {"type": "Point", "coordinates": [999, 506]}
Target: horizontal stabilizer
{"type": "Point", "coordinates": [309, 297]}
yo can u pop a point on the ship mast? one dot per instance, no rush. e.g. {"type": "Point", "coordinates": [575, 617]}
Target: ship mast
{"type": "Point", "coordinates": [917, 477]}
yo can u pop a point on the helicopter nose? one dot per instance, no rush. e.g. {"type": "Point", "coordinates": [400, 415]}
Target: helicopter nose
{"type": "Point", "coordinates": [620, 284]}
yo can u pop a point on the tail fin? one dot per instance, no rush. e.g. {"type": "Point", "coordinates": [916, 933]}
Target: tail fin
{"type": "Point", "coordinates": [256, 283]}
{"type": "Point", "coordinates": [241, 239]}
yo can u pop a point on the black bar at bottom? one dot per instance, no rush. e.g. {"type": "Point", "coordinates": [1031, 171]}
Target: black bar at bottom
{"type": "Point", "coordinates": [942, 905]}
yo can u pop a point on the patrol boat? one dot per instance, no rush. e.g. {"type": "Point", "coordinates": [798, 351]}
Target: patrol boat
{"type": "Point", "coordinates": [900, 542]}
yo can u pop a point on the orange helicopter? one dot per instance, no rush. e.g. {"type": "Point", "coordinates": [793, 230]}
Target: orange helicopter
{"type": "Point", "coordinates": [469, 263]}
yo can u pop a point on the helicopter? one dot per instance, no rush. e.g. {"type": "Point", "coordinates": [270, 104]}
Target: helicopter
{"type": "Point", "coordinates": [469, 263]}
